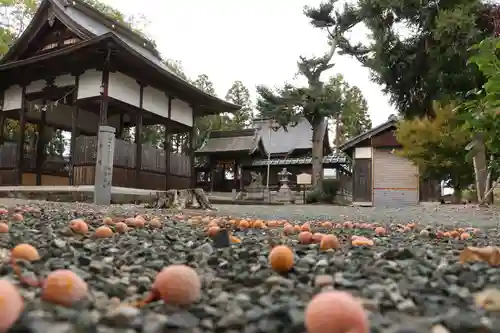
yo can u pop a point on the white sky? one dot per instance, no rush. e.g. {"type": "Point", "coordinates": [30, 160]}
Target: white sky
{"type": "Point", "coordinates": [257, 42]}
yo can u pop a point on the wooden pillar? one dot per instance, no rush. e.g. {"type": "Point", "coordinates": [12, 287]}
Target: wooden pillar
{"type": "Point", "coordinates": [40, 147]}
{"type": "Point", "coordinates": [192, 138]}
{"type": "Point", "coordinates": [103, 112]}
{"type": "Point", "coordinates": [74, 132]}
{"type": "Point", "coordinates": [138, 140]}
{"type": "Point", "coordinates": [212, 167]}
{"type": "Point", "coordinates": [241, 178]}
{"type": "Point", "coordinates": [235, 171]}
{"type": "Point", "coordinates": [119, 132]}
{"type": "Point", "coordinates": [2, 120]}
{"type": "Point", "coordinates": [21, 138]}
{"type": "Point", "coordinates": [168, 143]}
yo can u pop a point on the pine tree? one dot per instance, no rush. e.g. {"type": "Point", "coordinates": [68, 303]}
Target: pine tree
{"type": "Point", "coordinates": [317, 102]}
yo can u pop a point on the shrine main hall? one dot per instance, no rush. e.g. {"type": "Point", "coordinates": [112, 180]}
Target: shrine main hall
{"type": "Point", "coordinates": [75, 69]}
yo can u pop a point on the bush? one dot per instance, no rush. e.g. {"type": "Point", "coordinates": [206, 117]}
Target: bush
{"type": "Point", "coordinates": [326, 194]}
{"type": "Point", "coordinates": [331, 188]}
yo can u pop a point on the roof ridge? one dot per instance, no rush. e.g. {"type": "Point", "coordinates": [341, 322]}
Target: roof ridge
{"type": "Point", "coordinates": [111, 21]}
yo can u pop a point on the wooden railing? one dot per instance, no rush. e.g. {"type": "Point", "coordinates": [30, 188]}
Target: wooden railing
{"type": "Point", "coordinates": [8, 155]}
{"type": "Point", "coordinates": [153, 159]}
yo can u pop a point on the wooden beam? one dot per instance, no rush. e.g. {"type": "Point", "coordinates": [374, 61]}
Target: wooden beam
{"type": "Point", "coordinates": [119, 132]}
{"type": "Point", "coordinates": [103, 112]}
{"type": "Point", "coordinates": [40, 146]}
{"type": "Point", "coordinates": [168, 143]}
{"type": "Point", "coordinates": [138, 139]}
{"type": "Point", "coordinates": [74, 132]}
{"type": "Point", "coordinates": [2, 119]}
{"type": "Point", "coordinates": [192, 137]}
{"type": "Point", "coordinates": [20, 142]}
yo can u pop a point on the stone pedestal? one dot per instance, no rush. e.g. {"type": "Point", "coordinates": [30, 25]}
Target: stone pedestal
{"type": "Point", "coordinates": [284, 194]}
{"type": "Point", "coordinates": [104, 165]}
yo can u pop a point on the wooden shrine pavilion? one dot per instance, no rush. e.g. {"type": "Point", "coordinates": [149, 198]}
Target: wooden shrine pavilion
{"type": "Point", "coordinates": [74, 69]}
{"type": "Point", "coordinates": [247, 151]}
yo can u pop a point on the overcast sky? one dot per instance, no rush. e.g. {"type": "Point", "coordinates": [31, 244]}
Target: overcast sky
{"type": "Point", "coordinates": [255, 41]}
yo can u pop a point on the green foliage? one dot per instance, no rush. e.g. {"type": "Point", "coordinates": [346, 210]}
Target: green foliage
{"type": "Point", "coordinates": [481, 110]}
{"type": "Point", "coordinates": [316, 102]}
{"type": "Point", "coordinates": [108, 11]}
{"type": "Point", "coordinates": [437, 146]}
{"type": "Point", "coordinates": [176, 67]}
{"type": "Point", "coordinates": [133, 22]}
{"type": "Point", "coordinates": [354, 118]}
{"type": "Point", "coordinates": [428, 60]}
{"type": "Point", "coordinates": [14, 17]}
{"type": "Point", "coordinates": [57, 144]}
{"type": "Point", "coordinates": [204, 125]}
{"type": "Point", "coordinates": [324, 194]}
{"type": "Point", "coordinates": [240, 95]}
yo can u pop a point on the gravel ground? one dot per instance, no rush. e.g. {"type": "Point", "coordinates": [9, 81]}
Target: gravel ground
{"type": "Point", "coordinates": [408, 282]}
{"type": "Point", "coordinates": [431, 213]}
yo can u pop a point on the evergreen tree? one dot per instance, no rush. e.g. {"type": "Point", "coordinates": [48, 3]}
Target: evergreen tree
{"type": "Point", "coordinates": [354, 117]}
{"type": "Point", "coordinates": [430, 61]}
{"type": "Point", "coordinates": [316, 102]}
{"type": "Point", "coordinates": [204, 125]}
{"type": "Point", "coordinates": [203, 83]}
{"type": "Point", "coordinates": [240, 95]}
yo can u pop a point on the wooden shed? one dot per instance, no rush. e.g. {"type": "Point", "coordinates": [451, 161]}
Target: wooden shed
{"type": "Point", "coordinates": [381, 177]}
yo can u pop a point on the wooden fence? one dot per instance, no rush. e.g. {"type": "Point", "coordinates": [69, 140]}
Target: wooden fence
{"type": "Point", "coordinates": [152, 172]}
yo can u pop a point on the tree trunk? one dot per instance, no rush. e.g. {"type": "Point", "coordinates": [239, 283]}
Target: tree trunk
{"type": "Point", "coordinates": [457, 195]}
{"type": "Point", "coordinates": [480, 167]}
{"type": "Point", "coordinates": [181, 199]}
{"type": "Point", "coordinates": [319, 129]}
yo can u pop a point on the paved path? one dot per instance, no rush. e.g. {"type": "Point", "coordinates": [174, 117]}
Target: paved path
{"type": "Point", "coordinates": [463, 215]}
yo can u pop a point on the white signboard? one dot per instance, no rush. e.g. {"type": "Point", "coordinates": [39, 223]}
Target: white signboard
{"type": "Point", "coordinates": [304, 179]}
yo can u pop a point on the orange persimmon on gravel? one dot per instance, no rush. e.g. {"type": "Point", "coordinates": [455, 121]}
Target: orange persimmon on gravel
{"type": "Point", "coordinates": [103, 232]}
{"type": "Point", "coordinates": [79, 226]}
{"type": "Point", "coordinates": [329, 242]}
{"type": "Point", "coordinates": [335, 312]}
{"type": "Point", "coordinates": [281, 258]}
{"type": "Point", "coordinates": [178, 285]}
{"type": "Point", "coordinates": [316, 237]}
{"type": "Point", "coordinates": [155, 223]}
{"type": "Point", "coordinates": [64, 287]}
{"type": "Point", "coordinates": [380, 231]}
{"type": "Point", "coordinates": [305, 237]}
{"type": "Point", "coordinates": [213, 231]}
{"type": "Point", "coordinates": [121, 227]}
{"type": "Point", "coordinates": [288, 229]}
{"type": "Point", "coordinates": [25, 252]}
{"type": "Point", "coordinates": [11, 305]}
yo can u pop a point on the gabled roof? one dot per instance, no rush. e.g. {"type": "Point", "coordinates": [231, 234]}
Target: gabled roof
{"type": "Point", "coordinates": [247, 141]}
{"type": "Point", "coordinates": [88, 23]}
{"type": "Point", "coordinates": [390, 123]}
{"type": "Point", "coordinates": [283, 141]}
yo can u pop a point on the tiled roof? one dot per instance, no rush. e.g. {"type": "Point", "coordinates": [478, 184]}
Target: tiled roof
{"type": "Point", "coordinates": [391, 122]}
{"type": "Point", "coordinates": [231, 141]}
{"type": "Point", "coordinates": [337, 158]}
{"type": "Point", "coordinates": [285, 142]}
{"type": "Point", "coordinates": [89, 23]}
